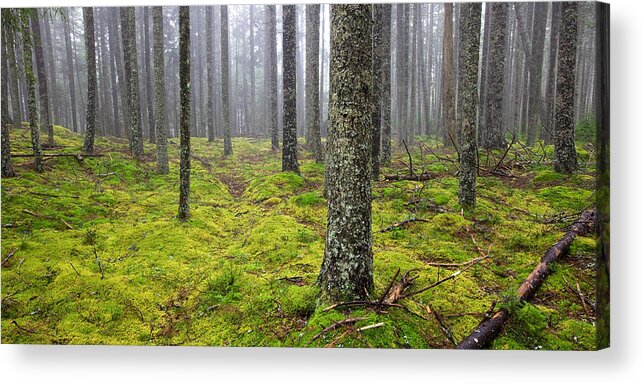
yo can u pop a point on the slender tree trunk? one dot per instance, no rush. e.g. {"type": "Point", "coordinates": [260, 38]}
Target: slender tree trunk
{"type": "Point", "coordinates": [565, 160]}
{"type": "Point", "coordinates": [225, 82]}
{"type": "Point", "coordinates": [162, 166]}
{"type": "Point", "coordinates": [128, 28]}
{"type": "Point", "coordinates": [469, 56]}
{"type": "Point", "coordinates": [448, 79]}
{"type": "Point", "coordinates": [491, 137]}
{"type": "Point", "coordinates": [15, 74]}
{"type": "Point", "coordinates": [105, 77]}
{"type": "Point", "coordinates": [184, 109]}
{"type": "Point", "coordinates": [115, 49]}
{"type": "Point", "coordinates": [90, 51]}
{"type": "Point", "coordinates": [210, 71]}
{"type": "Point", "coordinates": [50, 64]}
{"type": "Point", "coordinates": [289, 154]}
{"type": "Point", "coordinates": [31, 93]}
{"type": "Point", "coordinates": [148, 74]}
{"type": "Point", "coordinates": [347, 269]}
{"type": "Point", "coordinates": [7, 166]}
{"type": "Point", "coordinates": [550, 98]}
{"type": "Point", "coordinates": [312, 81]}
{"type": "Point", "coordinates": [45, 121]}
{"type": "Point", "coordinates": [271, 67]}
{"type": "Point", "coordinates": [70, 71]}
{"type": "Point", "coordinates": [384, 76]}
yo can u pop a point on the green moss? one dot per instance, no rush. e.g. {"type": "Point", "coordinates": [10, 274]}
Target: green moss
{"type": "Point", "coordinates": [300, 301]}
{"type": "Point", "coordinates": [566, 198]}
{"type": "Point", "coordinates": [308, 198]}
{"type": "Point", "coordinates": [277, 185]}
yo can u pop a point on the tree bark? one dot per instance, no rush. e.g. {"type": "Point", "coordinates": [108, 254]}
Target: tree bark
{"type": "Point", "coordinates": [45, 120]}
{"type": "Point", "coordinates": [148, 74]}
{"type": "Point", "coordinates": [184, 110]}
{"type": "Point", "coordinates": [289, 152]}
{"type": "Point", "coordinates": [381, 85]}
{"type": "Point", "coordinates": [128, 28]}
{"type": "Point", "coordinates": [448, 80]}
{"type": "Point", "coordinates": [7, 167]}
{"type": "Point", "coordinates": [312, 81]}
{"type": "Point", "coordinates": [490, 328]}
{"type": "Point", "coordinates": [469, 57]}
{"type": "Point", "coordinates": [31, 90]}
{"type": "Point", "coordinates": [347, 269]}
{"type": "Point", "coordinates": [90, 51]}
{"type": "Point", "coordinates": [564, 146]}
{"type": "Point", "coordinates": [12, 64]}
{"type": "Point", "coordinates": [550, 93]}
{"type": "Point", "coordinates": [271, 67]}
{"type": "Point", "coordinates": [162, 166]}
{"type": "Point", "coordinates": [225, 82]}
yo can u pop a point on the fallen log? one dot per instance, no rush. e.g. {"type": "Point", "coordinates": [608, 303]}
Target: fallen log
{"type": "Point", "coordinates": [491, 327]}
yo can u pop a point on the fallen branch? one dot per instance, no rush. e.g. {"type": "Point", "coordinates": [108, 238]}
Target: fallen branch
{"type": "Point", "coordinates": [5, 261]}
{"type": "Point", "coordinates": [402, 224]}
{"type": "Point", "coordinates": [411, 173]}
{"type": "Point", "coordinates": [38, 215]}
{"type": "Point", "coordinates": [443, 327]}
{"type": "Point", "coordinates": [78, 156]}
{"type": "Point", "coordinates": [582, 298]}
{"type": "Point", "coordinates": [490, 328]}
{"type": "Point", "coordinates": [421, 177]}
{"type": "Point", "coordinates": [332, 327]}
{"type": "Point", "coordinates": [452, 265]}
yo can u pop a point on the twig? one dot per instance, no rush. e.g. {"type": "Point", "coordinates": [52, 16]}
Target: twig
{"type": "Point", "coordinates": [447, 265]}
{"type": "Point", "coordinates": [452, 276]}
{"type": "Point", "coordinates": [513, 140]}
{"type": "Point", "coordinates": [100, 267]}
{"type": "Point", "coordinates": [388, 288]}
{"type": "Point", "coordinates": [402, 223]}
{"type": "Point", "coordinates": [580, 295]}
{"type": "Point", "coordinates": [370, 327]}
{"type": "Point", "coordinates": [74, 268]}
{"type": "Point", "coordinates": [411, 173]}
{"type": "Point", "coordinates": [38, 215]}
{"type": "Point", "coordinates": [334, 326]}
{"type": "Point", "coordinates": [5, 261]}
{"type": "Point", "coordinates": [443, 327]}
{"type": "Point", "coordinates": [21, 328]}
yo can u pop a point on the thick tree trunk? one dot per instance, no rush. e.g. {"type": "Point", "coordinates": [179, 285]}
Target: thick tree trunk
{"type": "Point", "coordinates": [225, 82]}
{"type": "Point", "coordinates": [312, 81]}
{"type": "Point", "coordinates": [31, 94]}
{"type": "Point", "coordinates": [289, 152]}
{"type": "Point", "coordinates": [90, 51]}
{"type": "Point", "coordinates": [490, 328]}
{"type": "Point", "coordinates": [184, 110]}
{"type": "Point", "coordinates": [469, 57]}
{"type": "Point", "coordinates": [564, 146]}
{"type": "Point", "coordinates": [347, 270]}
{"type": "Point", "coordinates": [491, 136]}
{"type": "Point", "coordinates": [45, 120]}
{"type": "Point", "coordinates": [162, 166]}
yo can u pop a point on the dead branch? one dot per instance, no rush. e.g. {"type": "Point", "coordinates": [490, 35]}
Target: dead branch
{"type": "Point", "coordinates": [388, 288]}
{"type": "Point", "coordinates": [429, 309]}
{"type": "Point", "coordinates": [38, 215]}
{"type": "Point", "coordinates": [5, 261]}
{"type": "Point", "coordinates": [452, 276]}
{"type": "Point", "coordinates": [78, 156]}
{"type": "Point", "coordinates": [429, 204]}
{"type": "Point", "coordinates": [411, 173]}
{"type": "Point", "coordinates": [74, 268]}
{"type": "Point", "coordinates": [421, 177]}
{"type": "Point", "coordinates": [513, 140]}
{"type": "Point", "coordinates": [491, 327]}
{"type": "Point", "coordinates": [452, 265]}
{"type": "Point", "coordinates": [350, 320]}
{"type": "Point", "coordinates": [398, 290]}
{"type": "Point", "coordinates": [402, 224]}
{"type": "Point", "coordinates": [582, 298]}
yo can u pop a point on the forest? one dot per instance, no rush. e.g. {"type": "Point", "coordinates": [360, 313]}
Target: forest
{"type": "Point", "coordinates": [406, 175]}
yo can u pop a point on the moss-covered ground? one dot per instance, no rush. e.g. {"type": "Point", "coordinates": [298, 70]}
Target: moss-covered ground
{"type": "Point", "coordinates": [242, 270]}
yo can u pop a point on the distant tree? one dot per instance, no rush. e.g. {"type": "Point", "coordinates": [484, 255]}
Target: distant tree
{"type": "Point", "coordinates": [147, 60]}
{"type": "Point", "coordinates": [271, 68]}
{"type": "Point", "coordinates": [128, 29]}
{"type": "Point", "coordinates": [450, 135]}
{"type": "Point", "coordinates": [90, 51]}
{"type": "Point", "coordinates": [45, 121]}
{"type": "Point", "coordinates": [31, 87]}
{"type": "Point", "coordinates": [347, 269]}
{"type": "Point", "coordinates": [550, 93]}
{"type": "Point", "coordinates": [162, 166]}
{"type": "Point", "coordinates": [184, 111]}
{"type": "Point", "coordinates": [491, 134]}
{"type": "Point", "coordinates": [7, 167]}
{"type": "Point", "coordinates": [565, 160]}
{"type": "Point", "coordinates": [225, 82]}
{"type": "Point", "coordinates": [12, 65]}
{"type": "Point", "coordinates": [381, 86]}
{"type": "Point", "coordinates": [209, 52]}
{"type": "Point", "coordinates": [470, 14]}
{"type": "Point", "coordinates": [312, 81]}
{"type": "Point", "coordinates": [289, 152]}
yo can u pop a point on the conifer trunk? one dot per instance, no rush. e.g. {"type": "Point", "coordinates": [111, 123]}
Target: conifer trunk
{"type": "Point", "coordinates": [31, 95]}
{"type": "Point", "coordinates": [162, 166]}
{"type": "Point", "coordinates": [90, 51]}
{"type": "Point", "coordinates": [225, 82]}
{"type": "Point", "coordinates": [289, 152]}
{"type": "Point", "coordinates": [312, 81]}
{"type": "Point", "coordinates": [184, 111]}
{"type": "Point", "coordinates": [45, 119]}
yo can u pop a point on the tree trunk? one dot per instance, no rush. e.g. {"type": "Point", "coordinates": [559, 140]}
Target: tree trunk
{"type": "Point", "coordinates": [347, 269]}
{"type": "Point", "coordinates": [550, 93]}
{"type": "Point", "coordinates": [12, 64]}
{"type": "Point", "coordinates": [45, 120]}
{"type": "Point", "coordinates": [289, 153]}
{"type": "Point", "coordinates": [381, 86]}
{"type": "Point", "coordinates": [564, 146]}
{"type": "Point", "coordinates": [162, 166]}
{"type": "Point", "coordinates": [184, 110]}
{"type": "Point", "coordinates": [115, 49]}
{"type": "Point", "coordinates": [7, 167]}
{"type": "Point", "coordinates": [225, 82]}
{"type": "Point", "coordinates": [491, 136]}
{"type": "Point", "coordinates": [469, 57]}
{"type": "Point", "coordinates": [128, 28]}
{"type": "Point", "coordinates": [31, 93]}
{"type": "Point", "coordinates": [90, 51]}
{"type": "Point", "coordinates": [148, 74]}
{"type": "Point", "coordinates": [312, 81]}
{"type": "Point", "coordinates": [271, 67]}
{"type": "Point", "coordinates": [448, 80]}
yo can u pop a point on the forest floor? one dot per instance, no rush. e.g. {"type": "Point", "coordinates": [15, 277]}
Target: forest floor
{"type": "Point", "coordinates": [93, 253]}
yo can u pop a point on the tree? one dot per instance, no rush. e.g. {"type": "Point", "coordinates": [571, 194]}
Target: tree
{"type": "Point", "coordinates": [312, 80]}
{"type": "Point", "coordinates": [550, 94]}
{"type": "Point", "coordinates": [225, 82]}
{"type": "Point", "coordinates": [42, 78]}
{"type": "Point", "coordinates": [210, 70]}
{"type": "Point", "coordinates": [90, 51]}
{"type": "Point", "coordinates": [148, 74]}
{"type": "Point", "coordinates": [162, 166]}
{"type": "Point", "coordinates": [491, 136]}
{"type": "Point", "coordinates": [470, 14]}
{"type": "Point", "coordinates": [7, 167]}
{"type": "Point", "coordinates": [565, 160]}
{"type": "Point", "coordinates": [347, 269]}
{"type": "Point", "coordinates": [383, 29]}
{"type": "Point", "coordinates": [12, 64]}
{"type": "Point", "coordinates": [289, 152]}
{"type": "Point", "coordinates": [31, 88]}
{"type": "Point", "coordinates": [448, 80]}
{"type": "Point", "coordinates": [271, 68]}
{"type": "Point", "coordinates": [381, 86]}
{"type": "Point", "coordinates": [128, 29]}
{"type": "Point", "coordinates": [184, 111]}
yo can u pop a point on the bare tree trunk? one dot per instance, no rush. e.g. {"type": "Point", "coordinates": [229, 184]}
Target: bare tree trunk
{"type": "Point", "coordinates": [7, 166]}
{"type": "Point", "coordinates": [15, 74]}
{"type": "Point", "coordinates": [225, 82]}
{"type": "Point", "coordinates": [31, 93]}
{"type": "Point", "coordinates": [162, 166]}
{"type": "Point", "coordinates": [271, 67]}
{"type": "Point", "coordinates": [148, 74]}
{"type": "Point", "coordinates": [381, 87]}
{"type": "Point", "coordinates": [347, 269]}
{"type": "Point", "coordinates": [90, 51]}
{"type": "Point", "coordinates": [184, 108]}
{"type": "Point", "coordinates": [45, 121]}
{"type": "Point", "coordinates": [289, 152]}
{"type": "Point", "coordinates": [312, 81]}
{"type": "Point", "coordinates": [128, 28]}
